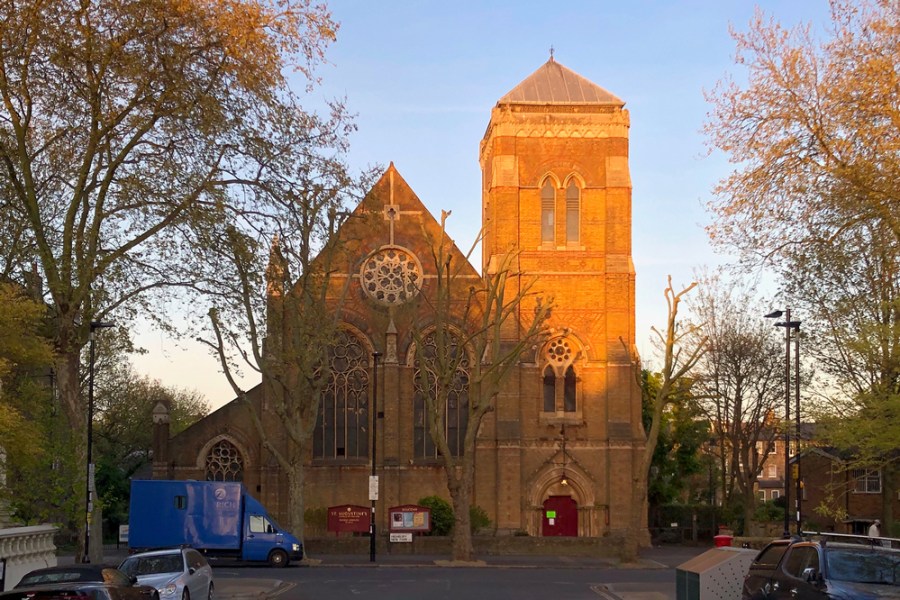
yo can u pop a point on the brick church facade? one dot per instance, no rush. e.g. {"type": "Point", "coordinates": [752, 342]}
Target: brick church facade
{"type": "Point", "coordinates": [558, 453]}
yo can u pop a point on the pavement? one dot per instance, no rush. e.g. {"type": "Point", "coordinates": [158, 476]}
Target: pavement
{"type": "Point", "coordinates": [250, 588]}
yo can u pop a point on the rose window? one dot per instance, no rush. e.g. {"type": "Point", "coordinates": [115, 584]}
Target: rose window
{"type": "Point", "coordinates": [391, 276]}
{"type": "Point", "coordinates": [559, 352]}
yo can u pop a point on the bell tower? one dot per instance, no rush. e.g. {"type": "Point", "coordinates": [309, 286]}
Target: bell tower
{"type": "Point", "coordinates": [556, 187]}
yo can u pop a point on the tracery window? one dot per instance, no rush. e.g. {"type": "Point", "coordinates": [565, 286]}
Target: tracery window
{"type": "Point", "coordinates": [224, 462]}
{"type": "Point", "coordinates": [573, 212]}
{"type": "Point", "coordinates": [457, 409]}
{"type": "Point", "coordinates": [560, 382]}
{"type": "Point", "coordinates": [548, 209]}
{"type": "Point", "coordinates": [343, 423]}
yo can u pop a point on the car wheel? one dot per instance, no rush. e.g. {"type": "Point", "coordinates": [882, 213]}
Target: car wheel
{"type": "Point", "coordinates": [185, 595]}
{"type": "Point", "coordinates": [209, 594]}
{"type": "Point", "coordinates": [278, 558]}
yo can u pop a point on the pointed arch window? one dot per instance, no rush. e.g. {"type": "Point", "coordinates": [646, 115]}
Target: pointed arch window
{"type": "Point", "coordinates": [548, 209]}
{"type": "Point", "coordinates": [342, 426]}
{"type": "Point", "coordinates": [549, 389]}
{"type": "Point", "coordinates": [224, 462]}
{"type": "Point", "coordinates": [569, 401]}
{"type": "Point", "coordinates": [560, 380]}
{"type": "Point", "coordinates": [573, 212]}
{"type": "Point", "coordinates": [456, 412]}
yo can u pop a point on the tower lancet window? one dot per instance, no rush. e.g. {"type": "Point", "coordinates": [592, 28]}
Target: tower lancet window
{"type": "Point", "coordinates": [548, 202]}
{"type": "Point", "coordinates": [573, 212]}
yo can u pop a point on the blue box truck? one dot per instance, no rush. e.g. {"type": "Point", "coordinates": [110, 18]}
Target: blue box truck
{"type": "Point", "coordinates": [217, 518]}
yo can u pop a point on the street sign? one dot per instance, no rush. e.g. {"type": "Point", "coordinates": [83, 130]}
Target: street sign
{"type": "Point", "coordinates": [401, 537]}
{"type": "Point", "coordinates": [373, 487]}
{"type": "Point", "coordinates": [348, 518]}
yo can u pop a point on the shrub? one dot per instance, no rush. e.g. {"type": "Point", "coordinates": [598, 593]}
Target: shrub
{"type": "Point", "coordinates": [442, 518]}
{"type": "Point", "coordinates": [478, 518]}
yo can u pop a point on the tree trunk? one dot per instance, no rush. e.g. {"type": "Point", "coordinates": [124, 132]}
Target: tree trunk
{"type": "Point", "coordinates": [750, 527]}
{"type": "Point", "coordinates": [296, 481]}
{"type": "Point", "coordinates": [632, 542]}
{"type": "Point", "coordinates": [461, 496]}
{"type": "Point", "coordinates": [68, 364]}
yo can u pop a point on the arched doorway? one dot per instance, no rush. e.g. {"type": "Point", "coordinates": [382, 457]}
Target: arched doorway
{"type": "Point", "coordinates": [560, 517]}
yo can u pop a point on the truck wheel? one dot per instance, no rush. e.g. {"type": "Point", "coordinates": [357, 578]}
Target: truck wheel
{"type": "Point", "coordinates": [278, 558]}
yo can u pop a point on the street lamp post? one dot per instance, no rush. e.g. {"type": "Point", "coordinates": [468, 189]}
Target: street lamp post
{"type": "Point", "coordinates": [89, 481]}
{"type": "Point", "coordinates": [798, 438]}
{"type": "Point", "coordinates": [373, 480]}
{"type": "Point", "coordinates": [788, 325]}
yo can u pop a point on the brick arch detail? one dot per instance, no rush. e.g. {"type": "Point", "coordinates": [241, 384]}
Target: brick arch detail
{"type": "Point", "coordinates": [581, 349]}
{"type": "Point", "coordinates": [548, 175]}
{"type": "Point", "coordinates": [359, 334]}
{"type": "Point", "coordinates": [242, 448]}
{"type": "Point", "coordinates": [411, 347]}
{"type": "Point", "coordinates": [546, 482]}
{"type": "Point", "coordinates": [579, 180]}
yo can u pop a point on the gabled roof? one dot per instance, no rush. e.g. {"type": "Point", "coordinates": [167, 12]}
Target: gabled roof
{"type": "Point", "coordinates": [553, 83]}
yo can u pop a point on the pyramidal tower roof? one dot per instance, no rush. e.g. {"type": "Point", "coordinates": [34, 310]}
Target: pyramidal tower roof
{"type": "Point", "coordinates": [553, 83]}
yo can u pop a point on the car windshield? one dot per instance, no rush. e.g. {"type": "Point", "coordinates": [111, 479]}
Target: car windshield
{"type": "Point", "coordinates": [864, 565]}
{"type": "Point", "coordinates": [51, 577]}
{"type": "Point", "coordinates": [152, 565]}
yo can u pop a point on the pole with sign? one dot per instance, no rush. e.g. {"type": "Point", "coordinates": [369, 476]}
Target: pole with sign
{"type": "Point", "coordinates": [373, 479]}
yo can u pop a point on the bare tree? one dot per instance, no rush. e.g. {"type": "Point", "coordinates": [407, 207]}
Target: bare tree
{"type": "Point", "coordinates": [740, 383]}
{"type": "Point", "coordinates": [477, 334]}
{"type": "Point", "coordinates": [681, 349]}
{"type": "Point", "coordinates": [281, 319]}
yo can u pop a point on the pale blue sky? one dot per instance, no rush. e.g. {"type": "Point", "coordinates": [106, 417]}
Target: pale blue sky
{"type": "Point", "coordinates": [423, 76]}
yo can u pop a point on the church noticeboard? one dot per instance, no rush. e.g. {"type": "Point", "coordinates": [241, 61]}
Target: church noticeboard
{"type": "Point", "coordinates": [410, 518]}
{"type": "Point", "coordinates": [349, 518]}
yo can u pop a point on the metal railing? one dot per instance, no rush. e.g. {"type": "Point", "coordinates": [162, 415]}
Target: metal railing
{"type": "Point", "coordinates": [851, 538]}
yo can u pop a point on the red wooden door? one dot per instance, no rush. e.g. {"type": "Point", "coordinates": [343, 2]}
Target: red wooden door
{"type": "Point", "coordinates": [560, 517]}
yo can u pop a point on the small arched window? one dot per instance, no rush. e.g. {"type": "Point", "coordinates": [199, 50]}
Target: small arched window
{"type": "Point", "coordinates": [573, 212]}
{"type": "Point", "coordinates": [224, 462]}
{"type": "Point", "coordinates": [548, 208]}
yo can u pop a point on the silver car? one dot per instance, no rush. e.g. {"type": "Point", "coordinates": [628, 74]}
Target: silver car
{"type": "Point", "coordinates": [178, 574]}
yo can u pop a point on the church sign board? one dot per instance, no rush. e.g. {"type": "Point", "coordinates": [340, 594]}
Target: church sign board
{"type": "Point", "coordinates": [349, 518]}
{"type": "Point", "coordinates": [410, 518]}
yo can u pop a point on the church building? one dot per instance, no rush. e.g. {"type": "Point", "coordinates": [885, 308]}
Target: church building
{"type": "Point", "coordinates": [557, 455]}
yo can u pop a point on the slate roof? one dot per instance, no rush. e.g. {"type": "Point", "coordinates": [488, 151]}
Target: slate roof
{"type": "Point", "coordinates": [553, 83]}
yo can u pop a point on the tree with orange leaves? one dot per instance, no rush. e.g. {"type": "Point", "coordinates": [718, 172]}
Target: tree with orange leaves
{"type": "Point", "coordinates": [815, 138]}
{"type": "Point", "coordinates": [131, 133]}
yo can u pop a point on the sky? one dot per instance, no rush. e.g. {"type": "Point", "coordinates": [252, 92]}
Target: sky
{"type": "Point", "coordinates": [422, 76]}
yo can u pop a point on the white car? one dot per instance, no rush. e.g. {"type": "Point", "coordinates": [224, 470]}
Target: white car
{"type": "Point", "coordinates": [178, 574]}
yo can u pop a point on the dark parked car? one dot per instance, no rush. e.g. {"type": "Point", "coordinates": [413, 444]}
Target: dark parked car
{"type": "Point", "coordinates": [844, 567]}
{"type": "Point", "coordinates": [79, 582]}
